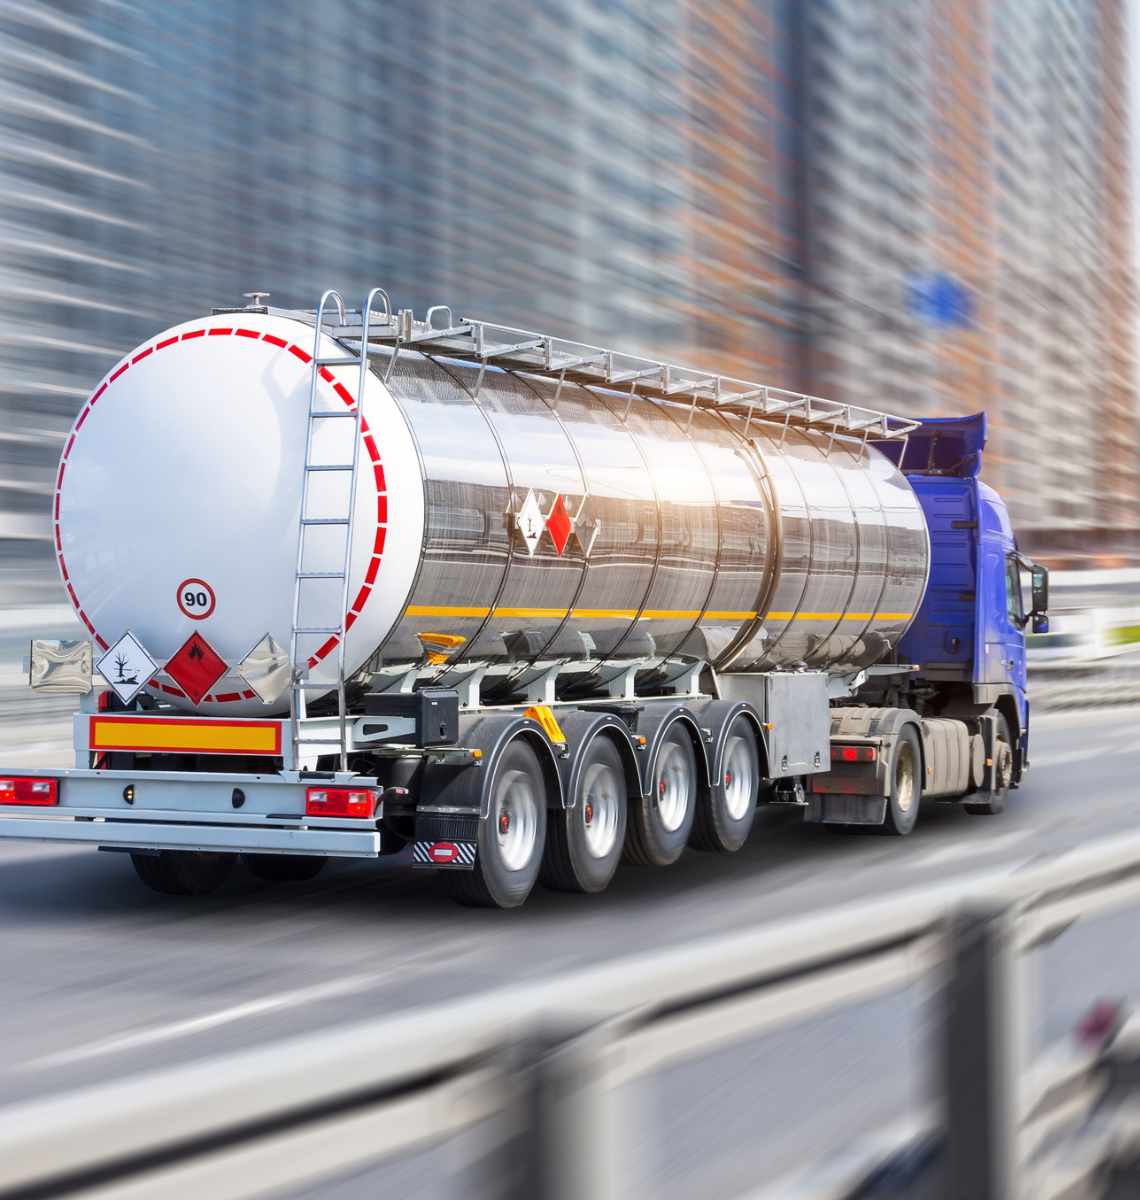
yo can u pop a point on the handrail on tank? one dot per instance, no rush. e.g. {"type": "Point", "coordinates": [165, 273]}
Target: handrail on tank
{"type": "Point", "coordinates": [341, 312]}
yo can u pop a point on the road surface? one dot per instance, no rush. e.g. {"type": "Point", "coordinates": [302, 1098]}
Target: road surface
{"type": "Point", "coordinates": [102, 978]}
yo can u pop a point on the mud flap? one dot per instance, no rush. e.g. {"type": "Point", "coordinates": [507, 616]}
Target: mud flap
{"type": "Point", "coordinates": [448, 840]}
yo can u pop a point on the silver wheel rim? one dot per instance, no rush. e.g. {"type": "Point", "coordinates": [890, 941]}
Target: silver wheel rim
{"type": "Point", "coordinates": [516, 819]}
{"type": "Point", "coordinates": [600, 808]}
{"type": "Point", "coordinates": [674, 786]}
{"type": "Point", "coordinates": [904, 778]}
{"type": "Point", "coordinates": [737, 777]}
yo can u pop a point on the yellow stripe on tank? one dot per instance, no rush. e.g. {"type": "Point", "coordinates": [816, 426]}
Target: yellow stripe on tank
{"type": "Point", "coordinates": [650, 614]}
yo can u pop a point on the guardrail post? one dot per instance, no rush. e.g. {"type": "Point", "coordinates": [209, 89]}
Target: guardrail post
{"type": "Point", "coordinates": [980, 1055]}
{"type": "Point", "coordinates": [570, 1143]}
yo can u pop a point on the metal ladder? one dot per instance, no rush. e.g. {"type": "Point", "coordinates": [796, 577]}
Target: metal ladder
{"type": "Point", "coordinates": [304, 577]}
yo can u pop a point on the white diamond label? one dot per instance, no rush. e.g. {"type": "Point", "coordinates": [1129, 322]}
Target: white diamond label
{"type": "Point", "coordinates": [127, 667]}
{"type": "Point", "coordinates": [530, 522]}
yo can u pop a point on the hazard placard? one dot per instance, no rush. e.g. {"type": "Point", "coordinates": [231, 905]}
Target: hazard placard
{"type": "Point", "coordinates": [196, 668]}
{"type": "Point", "coordinates": [127, 667]}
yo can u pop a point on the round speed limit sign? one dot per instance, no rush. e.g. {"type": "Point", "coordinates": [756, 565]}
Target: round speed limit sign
{"type": "Point", "coordinates": [196, 599]}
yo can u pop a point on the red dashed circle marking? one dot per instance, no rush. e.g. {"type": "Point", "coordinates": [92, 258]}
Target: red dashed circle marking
{"type": "Point", "coordinates": [366, 437]}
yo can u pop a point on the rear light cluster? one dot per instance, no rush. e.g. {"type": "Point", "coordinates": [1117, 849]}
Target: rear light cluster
{"type": "Point", "coordinates": [852, 754]}
{"type": "Point", "coordinates": [340, 802]}
{"type": "Point", "coordinates": [42, 792]}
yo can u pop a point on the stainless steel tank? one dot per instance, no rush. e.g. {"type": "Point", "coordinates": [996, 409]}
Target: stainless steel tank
{"type": "Point", "coordinates": [695, 533]}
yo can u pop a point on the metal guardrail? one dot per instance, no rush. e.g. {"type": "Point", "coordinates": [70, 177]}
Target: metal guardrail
{"type": "Point", "coordinates": [538, 1068]}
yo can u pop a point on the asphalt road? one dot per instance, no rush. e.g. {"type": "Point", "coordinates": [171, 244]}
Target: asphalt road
{"type": "Point", "coordinates": [101, 978]}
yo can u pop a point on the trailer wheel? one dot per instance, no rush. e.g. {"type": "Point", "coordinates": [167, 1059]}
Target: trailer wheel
{"type": "Point", "coordinates": [994, 802]}
{"type": "Point", "coordinates": [906, 784]}
{"type": "Point", "coordinates": [661, 822]}
{"type": "Point", "coordinates": [724, 820]}
{"type": "Point", "coordinates": [511, 839]}
{"type": "Point", "coordinates": [285, 868]}
{"type": "Point", "coordinates": [183, 872]}
{"type": "Point", "coordinates": [584, 842]}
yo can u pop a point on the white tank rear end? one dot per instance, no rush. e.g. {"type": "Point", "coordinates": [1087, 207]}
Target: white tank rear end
{"type": "Point", "coordinates": [178, 500]}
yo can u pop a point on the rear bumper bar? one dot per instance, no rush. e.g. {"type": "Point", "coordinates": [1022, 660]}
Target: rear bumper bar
{"type": "Point", "coordinates": [146, 834]}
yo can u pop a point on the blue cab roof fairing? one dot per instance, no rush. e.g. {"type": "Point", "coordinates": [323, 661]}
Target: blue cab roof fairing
{"type": "Point", "coordinates": [941, 446]}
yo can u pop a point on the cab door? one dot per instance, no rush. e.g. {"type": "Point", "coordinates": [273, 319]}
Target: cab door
{"type": "Point", "coordinates": [1014, 632]}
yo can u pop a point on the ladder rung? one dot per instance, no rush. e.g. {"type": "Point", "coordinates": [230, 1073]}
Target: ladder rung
{"type": "Point", "coordinates": [320, 574]}
{"type": "Point", "coordinates": [339, 360]}
{"type": "Point", "coordinates": [324, 520]}
{"type": "Point", "coordinates": [334, 414]}
{"type": "Point", "coordinates": [313, 684]}
{"type": "Point", "coordinates": [318, 629]}
{"type": "Point", "coordinates": [329, 467]}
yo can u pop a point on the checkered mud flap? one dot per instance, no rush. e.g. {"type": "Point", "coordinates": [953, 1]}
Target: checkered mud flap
{"type": "Point", "coordinates": [457, 855]}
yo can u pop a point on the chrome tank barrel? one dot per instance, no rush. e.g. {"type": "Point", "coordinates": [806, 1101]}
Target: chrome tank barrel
{"type": "Point", "coordinates": [695, 532]}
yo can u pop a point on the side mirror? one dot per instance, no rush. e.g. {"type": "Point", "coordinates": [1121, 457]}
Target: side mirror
{"type": "Point", "coordinates": [1040, 585]}
{"type": "Point", "coordinates": [1040, 623]}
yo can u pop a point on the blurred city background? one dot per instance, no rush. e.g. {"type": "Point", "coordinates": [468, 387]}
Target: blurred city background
{"type": "Point", "coordinates": [922, 205]}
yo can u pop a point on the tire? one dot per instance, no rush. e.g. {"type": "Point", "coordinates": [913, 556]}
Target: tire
{"type": "Point", "coordinates": [724, 819]}
{"type": "Point", "coordinates": [660, 823]}
{"type": "Point", "coordinates": [285, 868]}
{"type": "Point", "coordinates": [906, 784]}
{"type": "Point", "coordinates": [511, 839]}
{"type": "Point", "coordinates": [584, 842]}
{"type": "Point", "coordinates": [183, 872]}
{"type": "Point", "coordinates": [994, 803]}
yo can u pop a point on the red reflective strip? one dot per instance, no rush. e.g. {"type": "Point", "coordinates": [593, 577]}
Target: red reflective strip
{"type": "Point", "coordinates": [57, 507]}
{"type": "Point", "coordinates": [252, 333]}
{"type": "Point", "coordinates": [326, 375]}
{"type": "Point", "coordinates": [144, 354]}
{"type": "Point", "coordinates": [82, 418]}
{"type": "Point", "coordinates": [348, 620]}
{"type": "Point", "coordinates": [370, 446]}
{"type": "Point", "coordinates": [98, 392]}
{"type": "Point", "coordinates": [221, 332]}
{"type": "Point", "coordinates": [166, 342]}
{"type": "Point", "coordinates": [274, 340]}
{"type": "Point", "coordinates": [380, 483]}
{"type": "Point", "coordinates": [194, 333]}
{"type": "Point", "coordinates": [361, 596]}
{"type": "Point", "coordinates": [118, 372]}
{"type": "Point", "coordinates": [327, 647]}
{"type": "Point", "coordinates": [297, 352]}
{"type": "Point", "coordinates": [381, 507]}
{"type": "Point", "coordinates": [344, 394]}
{"type": "Point", "coordinates": [378, 546]}
{"type": "Point", "coordinates": [226, 697]}
{"type": "Point", "coordinates": [249, 695]}
{"type": "Point", "coordinates": [58, 543]}
{"type": "Point", "coordinates": [102, 644]}
{"type": "Point", "coordinates": [69, 445]}
{"type": "Point", "coordinates": [373, 567]}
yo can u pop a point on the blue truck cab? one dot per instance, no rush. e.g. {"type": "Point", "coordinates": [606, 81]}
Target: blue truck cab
{"type": "Point", "coordinates": [968, 639]}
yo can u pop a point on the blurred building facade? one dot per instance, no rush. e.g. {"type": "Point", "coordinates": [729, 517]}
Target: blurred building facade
{"type": "Point", "coordinates": [922, 206]}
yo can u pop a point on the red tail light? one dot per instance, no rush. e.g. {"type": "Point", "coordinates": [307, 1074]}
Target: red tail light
{"type": "Point", "coordinates": [43, 792]}
{"type": "Point", "coordinates": [340, 802]}
{"type": "Point", "coordinates": [853, 754]}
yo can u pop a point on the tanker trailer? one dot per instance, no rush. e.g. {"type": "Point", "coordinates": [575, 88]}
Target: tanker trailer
{"type": "Point", "coordinates": [355, 584]}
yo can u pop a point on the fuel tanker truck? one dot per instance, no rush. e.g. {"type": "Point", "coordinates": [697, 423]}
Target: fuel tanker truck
{"type": "Point", "coordinates": [355, 584]}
